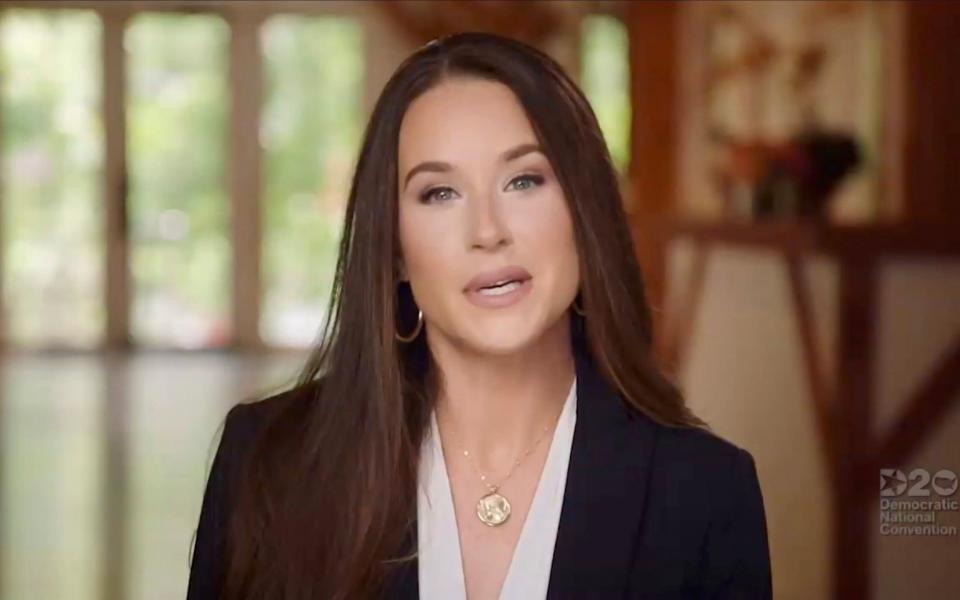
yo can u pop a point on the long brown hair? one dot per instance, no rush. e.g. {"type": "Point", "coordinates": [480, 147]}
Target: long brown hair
{"type": "Point", "coordinates": [329, 491]}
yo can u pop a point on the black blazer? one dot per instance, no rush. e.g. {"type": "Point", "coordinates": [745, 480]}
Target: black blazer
{"type": "Point", "coordinates": [649, 511]}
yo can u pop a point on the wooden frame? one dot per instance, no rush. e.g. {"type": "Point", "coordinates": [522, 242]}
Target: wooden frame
{"type": "Point", "coordinates": [852, 453]}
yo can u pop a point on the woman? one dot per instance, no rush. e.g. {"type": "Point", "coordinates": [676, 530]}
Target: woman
{"type": "Point", "coordinates": [484, 417]}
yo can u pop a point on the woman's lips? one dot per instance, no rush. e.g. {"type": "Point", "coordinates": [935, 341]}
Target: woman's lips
{"type": "Point", "coordinates": [498, 276]}
{"type": "Point", "coordinates": [511, 293]}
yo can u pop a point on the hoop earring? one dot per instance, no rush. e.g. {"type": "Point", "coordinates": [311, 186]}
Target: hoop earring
{"type": "Point", "coordinates": [416, 330]}
{"type": "Point", "coordinates": [577, 309]}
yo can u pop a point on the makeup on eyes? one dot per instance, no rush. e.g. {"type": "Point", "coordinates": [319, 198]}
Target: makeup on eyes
{"type": "Point", "coordinates": [536, 179]}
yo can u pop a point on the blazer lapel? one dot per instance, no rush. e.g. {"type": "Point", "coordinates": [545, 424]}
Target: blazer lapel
{"type": "Point", "coordinates": [605, 492]}
{"type": "Point", "coordinates": [603, 500]}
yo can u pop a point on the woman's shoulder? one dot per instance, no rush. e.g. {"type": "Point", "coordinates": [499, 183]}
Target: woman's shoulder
{"type": "Point", "coordinates": [704, 490]}
{"type": "Point", "coordinates": [241, 427]}
{"type": "Point", "coordinates": [697, 459]}
{"type": "Point", "coordinates": [246, 420]}
{"type": "Point", "coordinates": [705, 472]}
{"type": "Point", "coordinates": [698, 446]}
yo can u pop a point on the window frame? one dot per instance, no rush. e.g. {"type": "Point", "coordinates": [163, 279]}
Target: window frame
{"type": "Point", "coordinates": [243, 161]}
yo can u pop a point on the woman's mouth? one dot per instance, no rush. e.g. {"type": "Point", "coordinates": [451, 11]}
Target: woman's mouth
{"type": "Point", "coordinates": [500, 295]}
{"type": "Point", "coordinates": [501, 289]}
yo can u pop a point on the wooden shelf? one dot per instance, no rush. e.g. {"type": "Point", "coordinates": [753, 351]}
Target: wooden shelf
{"type": "Point", "coordinates": [810, 237]}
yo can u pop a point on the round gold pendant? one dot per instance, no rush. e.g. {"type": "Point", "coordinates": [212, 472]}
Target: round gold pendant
{"type": "Point", "coordinates": [493, 509]}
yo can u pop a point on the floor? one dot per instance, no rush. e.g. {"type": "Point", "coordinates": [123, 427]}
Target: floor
{"type": "Point", "coordinates": [103, 462]}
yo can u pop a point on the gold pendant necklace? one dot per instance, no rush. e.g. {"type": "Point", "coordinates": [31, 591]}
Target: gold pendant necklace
{"type": "Point", "coordinates": [493, 509]}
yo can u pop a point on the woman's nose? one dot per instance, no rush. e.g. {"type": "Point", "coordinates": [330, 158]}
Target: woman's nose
{"type": "Point", "coordinates": [486, 225]}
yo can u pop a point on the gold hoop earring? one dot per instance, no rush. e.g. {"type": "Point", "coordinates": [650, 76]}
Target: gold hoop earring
{"type": "Point", "coordinates": [577, 309]}
{"type": "Point", "coordinates": [416, 330]}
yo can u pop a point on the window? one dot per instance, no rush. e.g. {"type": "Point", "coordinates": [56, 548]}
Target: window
{"type": "Point", "coordinates": [52, 149]}
{"type": "Point", "coordinates": [176, 145]}
{"type": "Point", "coordinates": [310, 128]}
{"type": "Point", "coordinates": [605, 79]}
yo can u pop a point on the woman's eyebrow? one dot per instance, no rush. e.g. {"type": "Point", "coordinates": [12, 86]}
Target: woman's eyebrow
{"type": "Point", "coordinates": [431, 166]}
{"type": "Point", "coordinates": [435, 166]}
{"type": "Point", "coordinates": [518, 151]}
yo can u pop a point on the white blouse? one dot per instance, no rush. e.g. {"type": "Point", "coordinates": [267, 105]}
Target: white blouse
{"type": "Point", "coordinates": [440, 562]}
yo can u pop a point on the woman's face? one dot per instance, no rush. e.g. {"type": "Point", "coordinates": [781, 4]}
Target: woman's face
{"type": "Point", "coordinates": [477, 196]}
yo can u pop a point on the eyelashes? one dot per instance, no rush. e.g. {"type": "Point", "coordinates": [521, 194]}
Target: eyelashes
{"type": "Point", "coordinates": [431, 195]}
{"type": "Point", "coordinates": [427, 196]}
{"type": "Point", "coordinates": [537, 180]}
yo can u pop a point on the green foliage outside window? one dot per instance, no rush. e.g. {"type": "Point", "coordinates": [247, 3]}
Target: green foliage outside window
{"type": "Point", "coordinates": [605, 79]}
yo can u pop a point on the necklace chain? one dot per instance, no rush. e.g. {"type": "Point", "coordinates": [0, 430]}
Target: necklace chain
{"type": "Point", "coordinates": [493, 488]}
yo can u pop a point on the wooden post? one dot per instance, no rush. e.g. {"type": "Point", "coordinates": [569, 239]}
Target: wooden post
{"type": "Point", "coordinates": [117, 273]}
{"type": "Point", "coordinates": [653, 30]}
{"type": "Point", "coordinates": [852, 403]}
{"type": "Point", "coordinates": [931, 136]}
{"type": "Point", "coordinates": [246, 68]}
{"type": "Point", "coordinates": [114, 510]}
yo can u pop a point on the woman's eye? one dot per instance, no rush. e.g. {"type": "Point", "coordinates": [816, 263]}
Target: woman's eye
{"type": "Point", "coordinates": [441, 194]}
{"type": "Point", "coordinates": [525, 182]}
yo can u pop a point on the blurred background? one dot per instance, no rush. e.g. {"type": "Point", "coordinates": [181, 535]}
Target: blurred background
{"type": "Point", "coordinates": [174, 176]}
